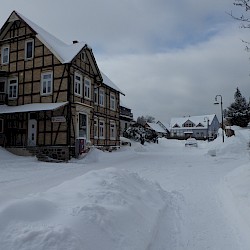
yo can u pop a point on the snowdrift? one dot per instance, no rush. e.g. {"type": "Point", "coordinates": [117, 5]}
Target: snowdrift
{"type": "Point", "coordinates": [105, 209]}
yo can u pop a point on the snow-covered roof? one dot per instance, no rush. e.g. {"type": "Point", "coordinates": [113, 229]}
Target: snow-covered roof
{"type": "Point", "coordinates": [64, 52]}
{"type": "Point", "coordinates": [123, 102]}
{"type": "Point", "coordinates": [156, 127]}
{"type": "Point", "coordinates": [109, 83]}
{"type": "Point", "coordinates": [165, 124]}
{"type": "Point", "coordinates": [32, 107]}
{"type": "Point", "coordinates": [203, 120]}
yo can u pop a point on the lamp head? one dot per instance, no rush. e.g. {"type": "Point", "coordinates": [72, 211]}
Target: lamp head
{"type": "Point", "coordinates": [215, 103]}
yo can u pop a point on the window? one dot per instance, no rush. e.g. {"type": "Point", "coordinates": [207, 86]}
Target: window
{"type": "Point", "coordinates": [46, 83]}
{"type": "Point", "coordinates": [29, 49]}
{"type": "Point", "coordinates": [5, 55]}
{"type": "Point", "coordinates": [112, 102]}
{"type": "Point", "coordinates": [13, 88]}
{"type": "Point", "coordinates": [83, 125]}
{"type": "Point", "coordinates": [83, 56]}
{"type": "Point", "coordinates": [101, 129]}
{"type": "Point", "coordinates": [87, 88]}
{"type": "Point", "coordinates": [199, 125]}
{"type": "Point", "coordinates": [96, 96]}
{"type": "Point", "coordinates": [2, 86]}
{"type": "Point", "coordinates": [112, 131]}
{"type": "Point", "coordinates": [101, 97]}
{"type": "Point", "coordinates": [78, 84]}
{"type": "Point", "coordinates": [95, 128]}
{"type": "Point", "coordinates": [1, 125]}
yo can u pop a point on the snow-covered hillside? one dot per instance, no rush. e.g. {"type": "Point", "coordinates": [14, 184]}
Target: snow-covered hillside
{"type": "Point", "coordinates": [156, 196]}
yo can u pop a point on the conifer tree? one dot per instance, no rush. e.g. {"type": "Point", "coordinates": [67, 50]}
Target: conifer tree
{"type": "Point", "coordinates": [238, 112]}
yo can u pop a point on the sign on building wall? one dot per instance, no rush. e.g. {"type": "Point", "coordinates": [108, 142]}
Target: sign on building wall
{"type": "Point", "coordinates": [58, 119]}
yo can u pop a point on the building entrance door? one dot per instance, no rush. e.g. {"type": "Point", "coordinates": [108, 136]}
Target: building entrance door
{"type": "Point", "coordinates": [32, 131]}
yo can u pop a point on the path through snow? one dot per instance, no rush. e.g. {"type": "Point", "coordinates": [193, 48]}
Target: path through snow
{"type": "Point", "coordinates": [197, 210]}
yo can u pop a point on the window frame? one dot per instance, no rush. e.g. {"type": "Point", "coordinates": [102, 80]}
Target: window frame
{"type": "Point", "coordinates": [96, 130]}
{"type": "Point", "coordinates": [46, 82]}
{"type": "Point", "coordinates": [96, 96]}
{"type": "Point", "coordinates": [112, 130]}
{"type": "Point", "coordinates": [87, 88]}
{"type": "Point", "coordinates": [112, 102]}
{"type": "Point", "coordinates": [101, 97]}
{"type": "Point", "coordinates": [83, 56]}
{"type": "Point", "coordinates": [101, 129]}
{"type": "Point", "coordinates": [78, 84]}
{"type": "Point", "coordinates": [4, 81]}
{"type": "Point", "coordinates": [1, 125]}
{"type": "Point", "coordinates": [3, 54]}
{"type": "Point", "coordinates": [26, 49]}
{"type": "Point", "coordinates": [12, 85]}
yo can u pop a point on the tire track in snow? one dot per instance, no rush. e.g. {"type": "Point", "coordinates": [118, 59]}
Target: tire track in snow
{"type": "Point", "coordinates": [167, 231]}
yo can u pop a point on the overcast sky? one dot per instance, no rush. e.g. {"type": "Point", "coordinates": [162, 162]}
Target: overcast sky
{"type": "Point", "coordinates": [170, 58]}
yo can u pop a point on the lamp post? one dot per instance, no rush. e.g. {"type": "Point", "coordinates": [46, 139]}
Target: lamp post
{"type": "Point", "coordinates": [206, 119]}
{"type": "Point", "coordinates": [217, 102]}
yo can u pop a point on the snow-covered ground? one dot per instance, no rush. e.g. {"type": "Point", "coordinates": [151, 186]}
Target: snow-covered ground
{"type": "Point", "coordinates": [152, 197]}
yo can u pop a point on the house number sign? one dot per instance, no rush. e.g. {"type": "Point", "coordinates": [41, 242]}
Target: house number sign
{"type": "Point", "coordinates": [58, 119]}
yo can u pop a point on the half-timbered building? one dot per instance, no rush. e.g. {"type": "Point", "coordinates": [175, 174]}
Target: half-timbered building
{"type": "Point", "coordinates": [53, 96]}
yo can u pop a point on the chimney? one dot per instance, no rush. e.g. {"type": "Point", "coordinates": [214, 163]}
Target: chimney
{"type": "Point", "coordinates": [75, 41]}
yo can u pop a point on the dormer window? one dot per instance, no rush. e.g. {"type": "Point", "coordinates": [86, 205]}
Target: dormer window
{"type": "Point", "coordinates": [5, 55]}
{"type": "Point", "coordinates": [29, 49]}
{"type": "Point", "coordinates": [176, 126]}
{"type": "Point", "coordinates": [188, 124]}
{"type": "Point", "coordinates": [200, 125]}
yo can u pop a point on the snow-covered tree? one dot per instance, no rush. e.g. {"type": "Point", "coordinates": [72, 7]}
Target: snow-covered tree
{"type": "Point", "coordinates": [143, 119]}
{"type": "Point", "coordinates": [238, 112]}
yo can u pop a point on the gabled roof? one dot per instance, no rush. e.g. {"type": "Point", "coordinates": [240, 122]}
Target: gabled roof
{"type": "Point", "coordinates": [156, 127]}
{"type": "Point", "coordinates": [195, 119]}
{"type": "Point", "coordinates": [108, 82]}
{"type": "Point", "coordinates": [164, 125]}
{"type": "Point", "coordinates": [63, 52]}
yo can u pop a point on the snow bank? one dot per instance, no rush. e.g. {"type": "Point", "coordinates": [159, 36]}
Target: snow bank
{"type": "Point", "coordinates": [233, 145]}
{"type": "Point", "coordinates": [105, 209]}
{"type": "Point", "coordinates": [235, 197]}
{"type": "Point", "coordinates": [6, 155]}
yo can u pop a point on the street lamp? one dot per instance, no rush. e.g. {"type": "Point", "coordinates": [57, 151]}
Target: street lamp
{"type": "Point", "coordinates": [217, 102]}
{"type": "Point", "coordinates": [206, 119]}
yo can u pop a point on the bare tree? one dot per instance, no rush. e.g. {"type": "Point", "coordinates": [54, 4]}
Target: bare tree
{"type": "Point", "coordinates": [244, 19]}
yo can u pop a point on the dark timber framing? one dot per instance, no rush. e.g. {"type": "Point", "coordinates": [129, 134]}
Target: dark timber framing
{"type": "Point", "coordinates": [60, 126]}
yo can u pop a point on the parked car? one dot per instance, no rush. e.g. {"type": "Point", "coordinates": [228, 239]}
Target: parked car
{"type": "Point", "coordinates": [191, 142]}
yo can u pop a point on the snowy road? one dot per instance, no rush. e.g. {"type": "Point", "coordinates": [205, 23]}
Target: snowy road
{"type": "Point", "coordinates": [196, 217]}
{"type": "Point", "coordinates": [198, 220]}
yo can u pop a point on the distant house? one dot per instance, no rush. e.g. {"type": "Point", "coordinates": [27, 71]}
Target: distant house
{"type": "Point", "coordinates": [126, 117]}
{"type": "Point", "coordinates": [165, 126]}
{"type": "Point", "coordinates": [199, 127]}
{"type": "Point", "coordinates": [53, 96]}
{"type": "Point", "coordinates": [161, 132]}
